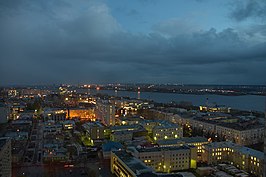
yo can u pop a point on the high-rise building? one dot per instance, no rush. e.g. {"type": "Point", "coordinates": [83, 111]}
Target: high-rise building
{"type": "Point", "coordinates": [105, 111]}
{"type": "Point", "coordinates": [5, 157]}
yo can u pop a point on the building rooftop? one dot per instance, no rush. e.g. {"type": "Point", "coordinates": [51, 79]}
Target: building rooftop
{"type": "Point", "coordinates": [93, 124]}
{"type": "Point", "coordinates": [139, 168]}
{"type": "Point", "coordinates": [136, 165]}
{"type": "Point", "coordinates": [111, 145]}
{"type": "Point", "coordinates": [155, 149]}
{"type": "Point", "coordinates": [187, 140]}
{"type": "Point", "coordinates": [126, 127]}
{"type": "Point", "coordinates": [238, 148]}
{"type": "Point", "coordinates": [122, 132]}
{"type": "Point", "coordinates": [240, 126]}
{"type": "Point", "coordinates": [251, 152]}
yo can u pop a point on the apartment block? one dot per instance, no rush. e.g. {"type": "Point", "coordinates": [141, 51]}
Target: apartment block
{"type": "Point", "coordinates": [105, 111]}
{"type": "Point", "coordinates": [95, 130]}
{"type": "Point", "coordinates": [167, 159]}
{"type": "Point", "coordinates": [242, 157]}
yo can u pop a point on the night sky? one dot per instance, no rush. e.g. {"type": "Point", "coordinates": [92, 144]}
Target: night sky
{"type": "Point", "coordinates": [143, 41]}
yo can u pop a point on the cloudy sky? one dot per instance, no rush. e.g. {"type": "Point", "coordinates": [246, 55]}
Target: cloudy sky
{"type": "Point", "coordinates": [151, 41]}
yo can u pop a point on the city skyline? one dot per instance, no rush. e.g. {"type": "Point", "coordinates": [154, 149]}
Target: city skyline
{"type": "Point", "coordinates": [145, 41]}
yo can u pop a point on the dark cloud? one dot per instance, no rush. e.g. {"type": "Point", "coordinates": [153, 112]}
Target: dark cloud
{"type": "Point", "coordinates": [78, 42]}
{"type": "Point", "coordinates": [248, 8]}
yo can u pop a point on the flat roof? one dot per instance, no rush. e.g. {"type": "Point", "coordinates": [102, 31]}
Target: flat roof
{"type": "Point", "coordinates": [238, 148]}
{"type": "Point", "coordinates": [197, 139]}
{"type": "Point", "coordinates": [235, 126]}
{"type": "Point", "coordinates": [155, 149]}
{"type": "Point", "coordinates": [133, 163]}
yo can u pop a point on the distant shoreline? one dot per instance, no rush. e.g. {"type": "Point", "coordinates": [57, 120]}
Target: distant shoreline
{"type": "Point", "coordinates": [189, 93]}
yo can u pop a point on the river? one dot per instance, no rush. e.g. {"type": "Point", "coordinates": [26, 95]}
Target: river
{"type": "Point", "coordinates": [244, 102]}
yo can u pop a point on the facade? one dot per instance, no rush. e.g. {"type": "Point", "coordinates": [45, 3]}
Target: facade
{"type": "Point", "coordinates": [95, 130]}
{"type": "Point", "coordinates": [4, 113]}
{"type": "Point", "coordinates": [5, 157]}
{"type": "Point", "coordinates": [131, 106]}
{"type": "Point", "coordinates": [130, 120]}
{"type": "Point", "coordinates": [136, 129]}
{"type": "Point", "coordinates": [68, 125]}
{"type": "Point", "coordinates": [162, 129]}
{"type": "Point", "coordinates": [55, 115]}
{"type": "Point", "coordinates": [16, 109]}
{"type": "Point", "coordinates": [201, 125]}
{"type": "Point", "coordinates": [81, 113]}
{"type": "Point", "coordinates": [105, 111]}
{"type": "Point", "coordinates": [167, 130]}
{"type": "Point", "coordinates": [121, 136]}
{"type": "Point", "coordinates": [125, 165]}
{"type": "Point", "coordinates": [54, 152]}
{"type": "Point", "coordinates": [242, 157]}
{"type": "Point", "coordinates": [51, 128]}
{"type": "Point", "coordinates": [215, 108]}
{"type": "Point", "coordinates": [167, 159]}
{"type": "Point", "coordinates": [241, 137]}
{"type": "Point", "coordinates": [191, 141]}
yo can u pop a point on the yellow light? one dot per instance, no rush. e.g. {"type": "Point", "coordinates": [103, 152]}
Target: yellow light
{"type": "Point", "coordinates": [165, 137]}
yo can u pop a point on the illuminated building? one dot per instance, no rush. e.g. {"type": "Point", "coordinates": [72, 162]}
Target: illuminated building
{"type": "Point", "coordinates": [53, 152]}
{"type": "Point", "coordinates": [130, 120]}
{"type": "Point", "coordinates": [12, 93]}
{"type": "Point", "coordinates": [242, 157]}
{"type": "Point", "coordinates": [165, 130]}
{"type": "Point", "coordinates": [124, 164]}
{"type": "Point", "coordinates": [94, 130]}
{"type": "Point", "coordinates": [81, 113]}
{"type": "Point", "coordinates": [132, 106]}
{"type": "Point", "coordinates": [5, 157]}
{"type": "Point", "coordinates": [215, 108]}
{"type": "Point", "coordinates": [167, 159]}
{"type": "Point", "coordinates": [55, 115]}
{"type": "Point", "coordinates": [192, 141]}
{"type": "Point", "coordinates": [136, 129]}
{"type": "Point", "coordinates": [251, 135]}
{"type": "Point", "coordinates": [68, 125]}
{"type": "Point", "coordinates": [242, 135]}
{"type": "Point", "coordinates": [16, 109]}
{"type": "Point", "coordinates": [51, 128]}
{"type": "Point", "coordinates": [105, 111]}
